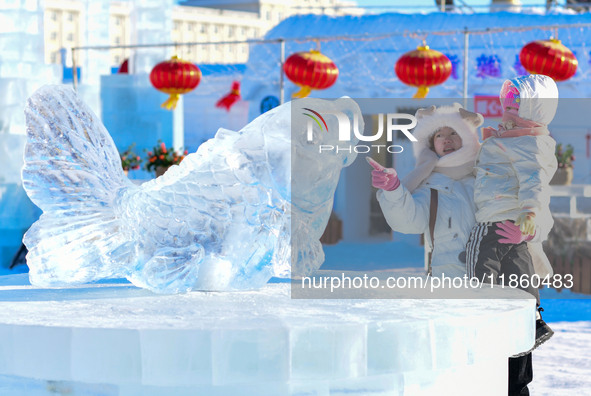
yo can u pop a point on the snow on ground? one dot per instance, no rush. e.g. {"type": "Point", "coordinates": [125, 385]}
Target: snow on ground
{"type": "Point", "coordinates": [562, 366]}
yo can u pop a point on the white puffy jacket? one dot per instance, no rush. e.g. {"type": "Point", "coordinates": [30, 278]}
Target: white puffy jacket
{"type": "Point", "coordinates": [513, 173]}
{"type": "Point", "coordinates": [452, 176]}
{"type": "Point", "coordinates": [409, 213]}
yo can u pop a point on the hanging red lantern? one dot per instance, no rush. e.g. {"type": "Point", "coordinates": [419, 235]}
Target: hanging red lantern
{"type": "Point", "coordinates": [175, 77]}
{"type": "Point", "coordinates": [310, 70]}
{"type": "Point", "coordinates": [423, 68]}
{"type": "Point", "coordinates": [550, 58]}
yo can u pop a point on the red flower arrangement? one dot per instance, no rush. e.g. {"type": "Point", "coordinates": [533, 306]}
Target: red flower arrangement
{"type": "Point", "coordinates": [164, 157]}
{"type": "Point", "coordinates": [129, 159]}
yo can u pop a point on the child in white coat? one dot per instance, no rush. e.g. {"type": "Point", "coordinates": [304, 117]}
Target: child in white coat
{"type": "Point", "coordinates": [513, 171]}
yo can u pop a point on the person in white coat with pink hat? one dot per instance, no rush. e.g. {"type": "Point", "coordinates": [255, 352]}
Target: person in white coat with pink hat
{"type": "Point", "coordinates": [445, 156]}
{"type": "Point", "coordinates": [511, 193]}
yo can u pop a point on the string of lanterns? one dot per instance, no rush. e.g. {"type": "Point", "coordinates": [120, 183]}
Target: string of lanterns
{"type": "Point", "coordinates": [312, 70]}
{"type": "Point", "coordinates": [425, 67]}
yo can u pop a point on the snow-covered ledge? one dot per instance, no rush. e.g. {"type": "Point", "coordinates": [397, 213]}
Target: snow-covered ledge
{"type": "Point", "coordinates": [116, 339]}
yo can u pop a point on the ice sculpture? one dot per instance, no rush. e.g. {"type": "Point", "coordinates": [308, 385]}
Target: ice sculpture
{"type": "Point", "coordinates": [218, 221]}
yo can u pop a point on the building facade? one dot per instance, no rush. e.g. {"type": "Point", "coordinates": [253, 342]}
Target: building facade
{"type": "Point", "coordinates": [61, 24]}
{"type": "Point", "coordinates": [197, 26]}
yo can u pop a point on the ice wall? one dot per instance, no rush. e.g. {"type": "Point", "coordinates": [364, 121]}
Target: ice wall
{"type": "Point", "coordinates": [94, 63]}
{"type": "Point", "coordinates": [202, 118]}
{"type": "Point", "coordinates": [151, 23]}
{"type": "Point", "coordinates": [131, 112]}
{"type": "Point", "coordinates": [129, 105]}
{"type": "Point", "coordinates": [22, 65]}
{"type": "Point", "coordinates": [96, 33]}
{"type": "Point", "coordinates": [22, 70]}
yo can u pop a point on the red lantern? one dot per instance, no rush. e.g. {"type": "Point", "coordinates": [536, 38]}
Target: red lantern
{"type": "Point", "coordinates": [175, 77]}
{"type": "Point", "coordinates": [550, 58]}
{"type": "Point", "coordinates": [423, 68]}
{"type": "Point", "coordinates": [310, 70]}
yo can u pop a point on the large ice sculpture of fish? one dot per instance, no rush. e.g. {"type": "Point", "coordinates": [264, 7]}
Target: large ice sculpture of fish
{"type": "Point", "coordinates": [221, 220]}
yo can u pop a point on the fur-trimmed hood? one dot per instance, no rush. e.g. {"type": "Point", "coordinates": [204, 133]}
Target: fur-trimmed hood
{"type": "Point", "coordinates": [464, 122]}
{"type": "Point", "coordinates": [457, 164]}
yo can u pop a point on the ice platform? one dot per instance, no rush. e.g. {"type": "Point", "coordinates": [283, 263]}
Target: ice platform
{"type": "Point", "coordinates": [115, 339]}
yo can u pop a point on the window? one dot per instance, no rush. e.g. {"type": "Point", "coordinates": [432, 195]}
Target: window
{"type": "Point", "coordinates": [54, 56]}
{"type": "Point", "coordinates": [70, 16]}
{"type": "Point", "coordinates": [203, 28]}
{"type": "Point", "coordinates": [53, 35]}
{"type": "Point", "coordinates": [215, 29]}
{"type": "Point", "coordinates": [189, 27]}
{"type": "Point", "coordinates": [53, 15]}
{"type": "Point", "coordinates": [230, 31]}
{"type": "Point", "coordinates": [117, 21]}
{"type": "Point", "coordinates": [117, 40]}
{"type": "Point", "coordinates": [70, 37]}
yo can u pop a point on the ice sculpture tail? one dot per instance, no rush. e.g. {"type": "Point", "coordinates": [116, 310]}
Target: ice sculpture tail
{"type": "Point", "coordinates": [73, 173]}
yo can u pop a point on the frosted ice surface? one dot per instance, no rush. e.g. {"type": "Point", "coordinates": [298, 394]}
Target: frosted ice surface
{"type": "Point", "coordinates": [218, 221]}
{"type": "Point", "coordinates": [151, 21]}
{"type": "Point", "coordinates": [96, 32]}
{"type": "Point", "coordinates": [219, 342]}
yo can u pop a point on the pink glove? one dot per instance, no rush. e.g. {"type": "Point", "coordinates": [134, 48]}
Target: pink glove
{"type": "Point", "coordinates": [384, 178]}
{"type": "Point", "coordinates": [511, 233]}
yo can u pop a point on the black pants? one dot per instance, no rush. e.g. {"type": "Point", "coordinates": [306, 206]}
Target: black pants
{"type": "Point", "coordinates": [488, 259]}
{"type": "Point", "coordinates": [521, 373]}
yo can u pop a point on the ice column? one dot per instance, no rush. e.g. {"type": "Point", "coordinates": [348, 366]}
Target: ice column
{"type": "Point", "coordinates": [130, 105]}
{"type": "Point", "coordinates": [94, 63]}
{"type": "Point", "coordinates": [22, 70]}
{"type": "Point", "coordinates": [151, 23]}
{"type": "Point", "coordinates": [22, 65]}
